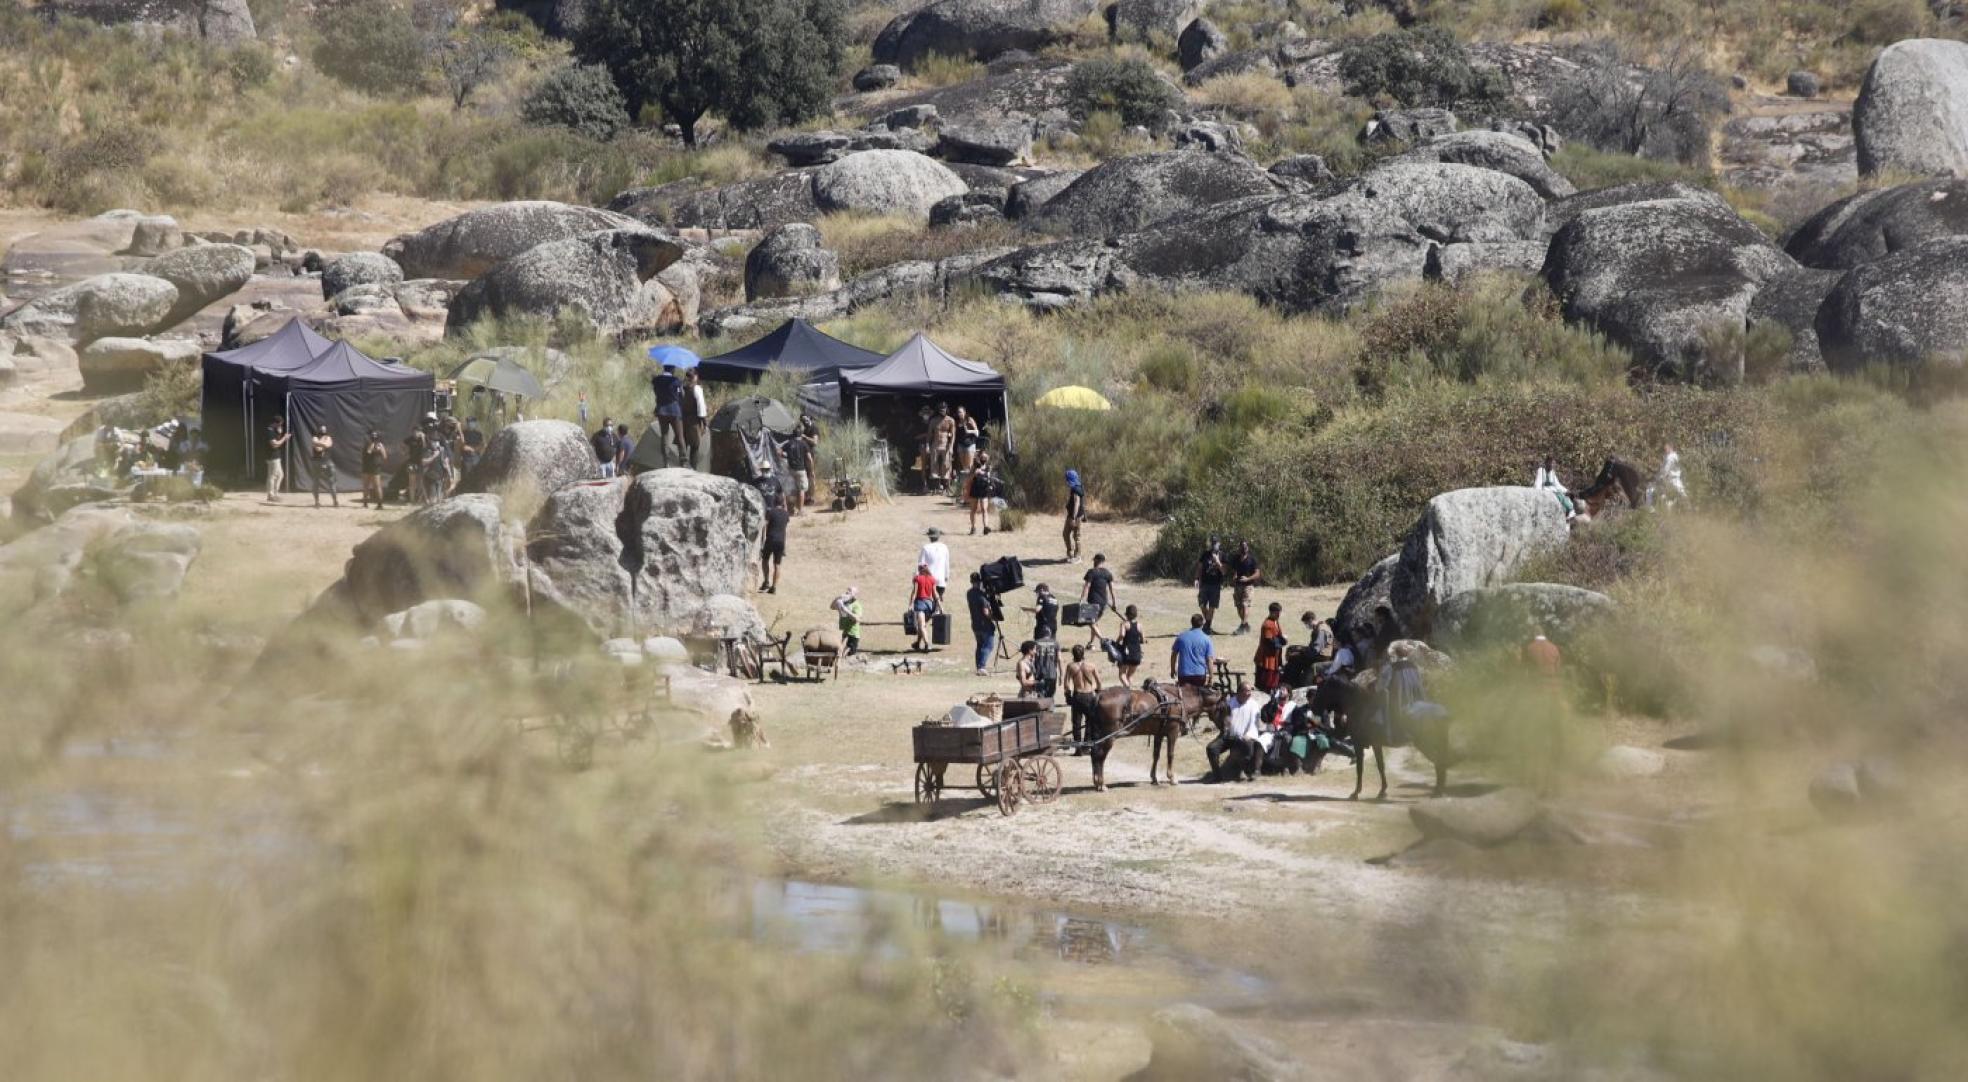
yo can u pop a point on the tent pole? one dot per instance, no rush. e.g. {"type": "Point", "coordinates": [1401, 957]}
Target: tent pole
{"type": "Point", "coordinates": [1011, 445]}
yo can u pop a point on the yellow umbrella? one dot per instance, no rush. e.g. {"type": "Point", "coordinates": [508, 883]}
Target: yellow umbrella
{"type": "Point", "coordinates": [1074, 398]}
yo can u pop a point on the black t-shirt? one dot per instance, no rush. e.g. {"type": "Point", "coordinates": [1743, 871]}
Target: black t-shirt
{"type": "Point", "coordinates": [375, 458]}
{"type": "Point", "coordinates": [1101, 587]}
{"type": "Point", "coordinates": [775, 527]}
{"type": "Point", "coordinates": [797, 453]}
{"type": "Point", "coordinates": [274, 434]}
{"type": "Point", "coordinates": [982, 612]}
{"type": "Point", "coordinates": [1047, 625]}
{"type": "Point", "coordinates": [605, 445]}
{"type": "Point", "coordinates": [668, 388]}
{"type": "Point", "coordinates": [1210, 569]}
{"type": "Point", "coordinates": [1246, 566]}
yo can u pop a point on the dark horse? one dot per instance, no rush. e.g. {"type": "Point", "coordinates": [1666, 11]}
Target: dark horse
{"type": "Point", "coordinates": [1355, 708]}
{"type": "Point", "coordinates": [1163, 711]}
{"type": "Point", "coordinates": [1616, 477]}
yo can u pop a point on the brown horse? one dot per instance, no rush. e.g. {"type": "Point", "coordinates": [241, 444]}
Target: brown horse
{"type": "Point", "coordinates": [1163, 711]}
{"type": "Point", "coordinates": [1617, 477]}
{"type": "Point", "coordinates": [1355, 707]}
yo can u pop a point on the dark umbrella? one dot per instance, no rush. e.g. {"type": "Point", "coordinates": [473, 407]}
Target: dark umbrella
{"type": "Point", "coordinates": [501, 374]}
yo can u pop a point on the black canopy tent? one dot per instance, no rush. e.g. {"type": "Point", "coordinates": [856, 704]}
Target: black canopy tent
{"type": "Point", "coordinates": [352, 394]}
{"type": "Point", "coordinates": [921, 369]}
{"type": "Point", "coordinates": [309, 380]}
{"type": "Point", "coordinates": [801, 348]}
{"type": "Point", "coordinates": [228, 404]}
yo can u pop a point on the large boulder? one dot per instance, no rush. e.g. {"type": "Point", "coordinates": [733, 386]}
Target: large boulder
{"type": "Point", "coordinates": [1561, 211]}
{"type": "Point", "coordinates": [1470, 539]}
{"type": "Point", "coordinates": [977, 28]}
{"type": "Point", "coordinates": [897, 182]}
{"type": "Point", "coordinates": [474, 242]}
{"type": "Point", "coordinates": [1501, 151]}
{"type": "Point", "coordinates": [119, 304]}
{"type": "Point", "coordinates": [121, 364]}
{"type": "Point", "coordinates": [1189, 1042]}
{"type": "Point", "coordinates": [222, 22]}
{"type": "Point", "coordinates": [146, 561]}
{"type": "Point", "coordinates": [1150, 21]}
{"type": "Point", "coordinates": [358, 269]}
{"type": "Point", "coordinates": [203, 275]}
{"type": "Point", "coordinates": [1792, 302]}
{"type": "Point", "coordinates": [1374, 589]}
{"type": "Point", "coordinates": [1457, 204]}
{"type": "Point", "coordinates": [1877, 223]}
{"type": "Point", "coordinates": [1512, 613]}
{"type": "Point", "coordinates": [131, 558]}
{"type": "Point", "coordinates": [63, 478]}
{"type": "Point", "coordinates": [1909, 309]}
{"type": "Point", "coordinates": [532, 457]}
{"type": "Point", "coordinates": [643, 556]}
{"type": "Point", "coordinates": [790, 261]}
{"type": "Point", "coordinates": [1027, 197]}
{"type": "Point", "coordinates": [1487, 820]}
{"type": "Point", "coordinates": [1199, 42]}
{"type": "Point", "coordinates": [979, 143]}
{"type": "Point", "coordinates": [458, 548]}
{"type": "Point", "coordinates": [1126, 194]}
{"type": "Point", "coordinates": [1911, 115]}
{"type": "Point", "coordinates": [435, 619]}
{"type": "Point", "coordinates": [1658, 276]}
{"type": "Point", "coordinates": [607, 277]}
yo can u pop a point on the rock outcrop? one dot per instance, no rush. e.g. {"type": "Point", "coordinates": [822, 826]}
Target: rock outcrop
{"type": "Point", "coordinates": [1374, 589]}
{"type": "Point", "coordinates": [459, 548]}
{"type": "Point", "coordinates": [976, 28]}
{"type": "Point", "coordinates": [122, 364]}
{"type": "Point", "coordinates": [1911, 115]}
{"type": "Point", "coordinates": [107, 305]}
{"type": "Point", "coordinates": [1499, 151]}
{"type": "Point", "coordinates": [532, 457]}
{"type": "Point", "coordinates": [790, 261]}
{"type": "Point", "coordinates": [608, 277]}
{"type": "Point", "coordinates": [131, 559]}
{"type": "Point", "coordinates": [203, 275]}
{"type": "Point", "coordinates": [1874, 224]}
{"type": "Point", "coordinates": [474, 242]}
{"type": "Point", "coordinates": [1909, 309]}
{"type": "Point", "coordinates": [358, 269]}
{"type": "Point", "coordinates": [1200, 42]}
{"type": "Point", "coordinates": [1658, 276]}
{"type": "Point", "coordinates": [1470, 539]}
{"type": "Point", "coordinates": [885, 182]}
{"type": "Point", "coordinates": [1792, 302]}
{"type": "Point", "coordinates": [1126, 194]}
{"type": "Point", "coordinates": [642, 557]}
{"type": "Point", "coordinates": [1511, 614]}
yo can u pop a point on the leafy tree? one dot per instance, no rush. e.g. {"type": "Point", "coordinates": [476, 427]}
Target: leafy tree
{"type": "Point", "coordinates": [374, 46]}
{"type": "Point", "coordinates": [1130, 88]}
{"type": "Point", "coordinates": [579, 97]}
{"type": "Point", "coordinates": [1421, 67]}
{"type": "Point", "coordinates": [756, 62]}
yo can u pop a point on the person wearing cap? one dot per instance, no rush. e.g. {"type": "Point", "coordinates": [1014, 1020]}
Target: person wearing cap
{"type": "Point", "coordinates": [1045, 614]}
{"type": "Point", "coordinates": [1075, 515]}
{"type": "Point", "coordinates": [848, 607]}
{"type": "Point", "coordinates": [375, 464]}
{"type": "Point", "coordinates": [936, 556]}
{"type": "Point", "coordinates": [922, 602]}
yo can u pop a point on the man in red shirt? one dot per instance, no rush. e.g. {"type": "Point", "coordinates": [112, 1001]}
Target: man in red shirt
{"type": "Point", "coordinates": [922, 604]}
{"type": "Point", "coordinates": [1544, 657]}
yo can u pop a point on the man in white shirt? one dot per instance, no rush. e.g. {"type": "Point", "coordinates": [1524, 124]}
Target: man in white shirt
{"type": "Point", "coordinates": [1240, 734]}
{"type": "Point", "coordinates": [1675, 489]}
{"type": "Point", "coordinates": [936, 555]}
{"type": "Point", "coordinates": [1547, 480]}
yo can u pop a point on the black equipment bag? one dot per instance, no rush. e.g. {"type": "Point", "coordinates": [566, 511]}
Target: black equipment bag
{"type": "Point", "coordinates": [939, 629]}
{"type": "Point", "coordinates": [910, 622]}
{"type": "Point", "coordinates": [1003, 575]}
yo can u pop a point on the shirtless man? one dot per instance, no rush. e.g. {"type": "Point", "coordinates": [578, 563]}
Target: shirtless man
{"type": "Point", "coordinates": [942, 438]}
{"type": "Point", "coordinates": [1083, 695]}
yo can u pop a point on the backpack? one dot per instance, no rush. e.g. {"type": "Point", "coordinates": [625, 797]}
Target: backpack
{"type": "Point", "coordinates": [1113, 651]}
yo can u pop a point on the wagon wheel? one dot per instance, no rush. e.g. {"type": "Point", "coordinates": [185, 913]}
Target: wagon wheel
{"type": "Point", "coordinates": [1042, 779]}
{"type": "Point", "coordinates": [1011, 786]}
{"type": "Point", "coordinates": [929, 787]}
{"type": "Point", "coordinates": [575, 742]}
{"type": "Point", "coordinates": [987, 781]}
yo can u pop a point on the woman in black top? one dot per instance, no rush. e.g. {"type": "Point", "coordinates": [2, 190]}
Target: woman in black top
{"type": "Point", "coordinates": [1130, 647]}
{"type": "Point", "coordinates": [375, 463]}
{"type": "Point", "coordinates": [980, 493]}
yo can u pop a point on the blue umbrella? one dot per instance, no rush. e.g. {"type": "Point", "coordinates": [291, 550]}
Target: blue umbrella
{"type": "Point", "coordinates": [674, 357]}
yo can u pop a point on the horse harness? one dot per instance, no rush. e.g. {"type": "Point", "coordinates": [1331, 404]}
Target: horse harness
{"type": "Point", "coordinates": [1164, 707]}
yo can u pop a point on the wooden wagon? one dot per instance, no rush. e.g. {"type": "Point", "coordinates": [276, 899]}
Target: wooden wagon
{"type": "Point", "coordinates": [1013, 757]}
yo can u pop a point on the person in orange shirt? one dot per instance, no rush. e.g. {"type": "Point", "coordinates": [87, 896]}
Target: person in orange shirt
{"type": "Point", "coordinates": [1270, 660]}
{"type": "Point", "coordinates": [1543, 656]}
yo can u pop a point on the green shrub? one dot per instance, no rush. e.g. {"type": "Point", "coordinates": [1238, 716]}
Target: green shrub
{"type": "Point", "coordinates": [1588, 167]}
{"type": "Point", "coordinates": [1171, 369]}
{"type": "Point", "coordinates": [1426, 66]}
{"type": "Point", "coordinates": [1496, 326]}
{"type": "Point", "coordinates": [373, 46]}
{"type": "Point", "coordinates": [1883, 22]}
{"type": "Point", "coordinates": [1130, 88]}
{"type": "Point", "coordinates": [581, 98]}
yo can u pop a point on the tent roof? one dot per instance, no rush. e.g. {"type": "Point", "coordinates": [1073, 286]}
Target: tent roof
{"type": "Point", "coordinates": [293, 346]}
{"type": "Point", "coordinates": [923, 367]}
{"type": "Point", "coordinates": [343, 363]}
{"type": "Point", "coordinates": [796, 345]}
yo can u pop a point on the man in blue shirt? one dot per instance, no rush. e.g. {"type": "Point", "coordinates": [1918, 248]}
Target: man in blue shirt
{"type": "Point", "coordinates": [1191, 657]}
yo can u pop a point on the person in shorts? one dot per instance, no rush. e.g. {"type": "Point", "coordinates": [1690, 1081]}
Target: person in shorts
{"type": "Point", "coordinates": [922, 602]}
{"type": "Point", "coordinates": [1097, 588]}
{"type": "Point", "coordinates": [773, 553]}
{"type": "Point", "coordinates": [276, 460]}
{"type": "Point", "coordinates": [799, 462]}
{"type": "Point", "coordinates": [1210, 573]}
{"type": "Point", "coordinates": [1246, 574]}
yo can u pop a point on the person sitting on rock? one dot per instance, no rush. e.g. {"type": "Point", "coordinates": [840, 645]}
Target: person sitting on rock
{"type": "Point", "coordinates": [1546, 480]}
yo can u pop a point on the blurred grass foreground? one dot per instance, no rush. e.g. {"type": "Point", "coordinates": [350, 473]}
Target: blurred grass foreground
{"type": "Point", "coordinates": [387, 879]}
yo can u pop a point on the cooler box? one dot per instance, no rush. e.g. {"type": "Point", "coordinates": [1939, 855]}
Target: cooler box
{"type": "Point", "coordinates": [939, 629]}
{"type": "Point", "coordinates": [1080, 613]}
